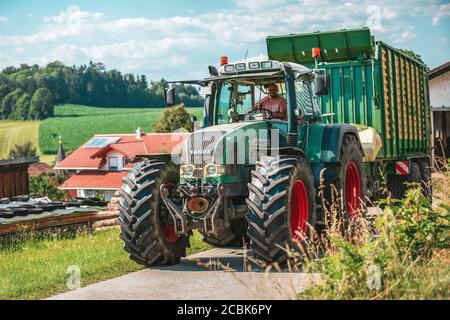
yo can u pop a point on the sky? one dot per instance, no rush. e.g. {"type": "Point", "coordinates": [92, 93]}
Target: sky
{"type": "Point", "coordinates": [177, 39]}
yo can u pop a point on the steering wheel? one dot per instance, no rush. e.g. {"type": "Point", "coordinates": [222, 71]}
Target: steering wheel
{"type": "Point", "coordinates": [267, 114]}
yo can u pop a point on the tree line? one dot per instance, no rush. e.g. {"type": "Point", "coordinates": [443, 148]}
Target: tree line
{"type": "Point", "coordinates": [30, 91]}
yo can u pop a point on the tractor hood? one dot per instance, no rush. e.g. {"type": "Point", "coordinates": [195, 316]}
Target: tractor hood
{"type": "Point", "coordinates": [214, 144]}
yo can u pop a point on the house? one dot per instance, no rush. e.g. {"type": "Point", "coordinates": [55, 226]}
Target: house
{"type": "Point", "coordinates": [440, 110]}
{"type": "Point", "coordinates": [38, 168]}
{"type": "Point", "coordinates": [14, 176]}
{"type": "Point", "coordinates": [100, 164]}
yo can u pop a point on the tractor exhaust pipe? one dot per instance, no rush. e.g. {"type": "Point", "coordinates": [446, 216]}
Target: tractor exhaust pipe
{"type": "Point", "coordinates": [292, 134]}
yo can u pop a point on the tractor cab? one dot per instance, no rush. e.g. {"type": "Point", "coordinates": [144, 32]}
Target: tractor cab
{"type": "Point", "coordinates": [239, 92]}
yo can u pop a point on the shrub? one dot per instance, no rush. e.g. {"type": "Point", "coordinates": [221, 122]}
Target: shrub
{"type": "Point", "coordinates": [174, 118]}
{"type": "Point", "coordinates": [46, 185]}
{"type": "Point", "coordinates": [391, 259]}
{"type": "Point", "coordinates": [24, 150]}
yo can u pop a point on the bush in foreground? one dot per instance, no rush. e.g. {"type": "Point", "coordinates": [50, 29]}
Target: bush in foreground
{"type": "Point", "coordinates": [400, 256]}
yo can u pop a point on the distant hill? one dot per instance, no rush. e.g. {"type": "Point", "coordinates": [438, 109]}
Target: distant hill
{"type": "Point", "coordinates": [30, 92]}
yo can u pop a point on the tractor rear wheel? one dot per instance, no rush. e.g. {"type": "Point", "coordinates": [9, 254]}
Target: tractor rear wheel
{"type": "Point", "coordinates": [281, 206]}
{"type": "Point", "coordinates": [146, 226]}
{"type": "Point", "coordinates": [347, 181]}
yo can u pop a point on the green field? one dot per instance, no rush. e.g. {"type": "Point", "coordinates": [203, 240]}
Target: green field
{"type": "Point", "coordinates": [76, 124]}
{"type": "Point", "coordinates": [37, 268]}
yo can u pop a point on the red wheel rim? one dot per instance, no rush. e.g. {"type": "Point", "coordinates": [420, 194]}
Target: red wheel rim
{"type": "Point", "coordinates": [168, 230]}
{"type": "Point", "coordinates": [299, 210]}
{"type": "Point", "coordinates": [352, 189]}
{"type": "Point", "coordinates": [169, 233]}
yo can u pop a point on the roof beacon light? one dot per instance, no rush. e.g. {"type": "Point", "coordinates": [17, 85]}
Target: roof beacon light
{"type": "Point", "coordinates": [315, 52]}
{"type": "Point", "coordinates": [223, 60]}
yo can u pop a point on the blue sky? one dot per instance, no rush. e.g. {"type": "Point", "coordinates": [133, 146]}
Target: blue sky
{"type": "Point", "coordinates": [179, 39]}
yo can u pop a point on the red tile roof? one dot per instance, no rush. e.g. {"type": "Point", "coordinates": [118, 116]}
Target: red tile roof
{"type": "Point", "coordinates": [38, 168]}
{"type": "Point", "coordinates": [95, 180]}
{"type": "Point", "coordinates": [93, 158]}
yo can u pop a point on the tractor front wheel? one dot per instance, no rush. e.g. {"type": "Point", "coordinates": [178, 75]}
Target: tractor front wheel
{"type": "Point", "coordinates": [281, 206]}
{"type": "Point", "coordinates": [146, 226]}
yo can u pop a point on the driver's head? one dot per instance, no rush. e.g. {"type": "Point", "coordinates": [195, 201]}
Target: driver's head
{"type": "Point", "coordinates": [272, 89]}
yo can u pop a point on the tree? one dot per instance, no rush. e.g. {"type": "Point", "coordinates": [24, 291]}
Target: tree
{"type": "Point", "coordinates": [21, 151]}
{"type": "Point", "coordinates": [41, 104]}
{"type": "Point", "coordinates": [174, 118]}
{"type": "Point", "coordinates": [22, 108]}
{"type": "Point", "coordinates": [9, 102]}
{"type": "Point", "coordinates": [46, 185]}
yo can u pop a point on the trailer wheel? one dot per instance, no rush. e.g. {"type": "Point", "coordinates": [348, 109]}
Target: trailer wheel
{"type": "Point", "coordinates": [397, 183]}
{"type": "Point", "coordinates": [425, 174]}
{"type": "Point", "coordinates": [146, 226]}
{"type": "Point", "coordinates": [281, 206]}
{"type": "Point", "coordinates": [235, 235]}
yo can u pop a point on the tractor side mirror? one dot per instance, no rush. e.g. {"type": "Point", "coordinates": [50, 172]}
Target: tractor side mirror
{"type": "Point", "coordinates": [169, 95]}
{"type": "Point", "coordinates": [321, 84]}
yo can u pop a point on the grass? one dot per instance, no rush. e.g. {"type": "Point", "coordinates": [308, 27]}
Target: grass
{"type": "Point", "coordinates": [77, 123]}
{"type": "Point", "coordinates": [34, 268]}
{"type": "Point", "coordinates": [17, 132]}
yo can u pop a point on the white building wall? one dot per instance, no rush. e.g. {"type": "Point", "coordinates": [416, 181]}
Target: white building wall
{"type": "Point", "coordinates": [119, 156]}
{"type": "Point", "coordinates": [440, 91]}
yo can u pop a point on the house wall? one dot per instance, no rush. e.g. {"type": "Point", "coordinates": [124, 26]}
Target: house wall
{"type": "Point", "coordinates": [120, 158]}
{"type": "Point", "coordinates": [108, 194]}
{"type": "Point", "coordinates": [440, 100]}
{"type": "Point", "coordinates": [440, 91]}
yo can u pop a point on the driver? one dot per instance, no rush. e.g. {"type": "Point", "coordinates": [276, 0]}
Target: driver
{"type": "Point", "coordinates": [275, 103]}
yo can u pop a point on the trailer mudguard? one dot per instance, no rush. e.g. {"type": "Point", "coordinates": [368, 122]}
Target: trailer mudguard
{"type": "Point", "coordinates": [332, 141]}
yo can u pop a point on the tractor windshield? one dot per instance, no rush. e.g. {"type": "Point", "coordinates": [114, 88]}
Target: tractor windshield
{"type": "Point", "coordinates": [240, 100]}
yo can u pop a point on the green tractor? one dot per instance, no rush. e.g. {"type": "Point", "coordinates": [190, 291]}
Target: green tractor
{"type": "Point", "coordinates": [252, 174]}
{"type": "Point", "coordinates": [246, 175]}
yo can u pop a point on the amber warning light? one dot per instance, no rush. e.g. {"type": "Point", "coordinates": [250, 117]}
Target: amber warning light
{"type": "Point", "coordinates": [223, 60]}
{"type": "Point", "coordinates": [315, 52]}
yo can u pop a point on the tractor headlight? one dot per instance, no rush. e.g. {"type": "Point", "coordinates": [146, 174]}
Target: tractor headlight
{"type": "Point", "coordinates": [187, 171]}
{"type": "Point", "coordinates": [214, 170]}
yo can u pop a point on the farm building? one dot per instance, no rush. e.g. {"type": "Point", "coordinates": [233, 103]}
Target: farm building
{"type": "Point", "coordinates": [440, 109]}
{"type": "Point", "coordinates": [14, 176]}
{"type": "Point", "coordinates": [100, 164]}
{"type": "Point", "coordinates": [35, 169]}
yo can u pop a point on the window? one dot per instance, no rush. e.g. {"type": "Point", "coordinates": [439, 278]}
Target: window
{"type": "Point", "coordinates": [233, 95]}
{"type": "Point", "coordinates": [304, 96]}
{"type": "Point", "coordinates": [113, 163]}
{"type": "Point", "coordinates": [88, 193]}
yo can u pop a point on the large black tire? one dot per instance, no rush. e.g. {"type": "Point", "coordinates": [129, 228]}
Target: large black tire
{"type": "Point", "coordinates": [234, 236]}
{"type": "Point", "coordinates": [397, 184]}
{"type": "Point", "coordinates": [348, 174]}
{"type": "Point", "coordinates": [425, 175]}
{"type": "Point", "coordinates": [144, 220]}
{"type": "Point", "coordinates": [270, 202]}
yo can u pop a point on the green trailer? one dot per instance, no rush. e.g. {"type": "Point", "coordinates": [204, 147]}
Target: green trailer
{"type": "Point", "coordinates": [327, 121]}
{"type": "Point", "coordinates": [370, 84]}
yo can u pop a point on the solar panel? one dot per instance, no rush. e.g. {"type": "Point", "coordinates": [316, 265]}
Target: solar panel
{"type": "Point", "coordinates": [100, 142]}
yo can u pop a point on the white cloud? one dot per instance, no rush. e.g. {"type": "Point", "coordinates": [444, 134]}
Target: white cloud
{"type": "Point", "coordinates": [3, 19]}
{"type": "Point", "coordinates": [138, 44]}
{"type": "Point", "coordinates": [258, 4]}
{"type": "Point", "coordinates": [443, 11]}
